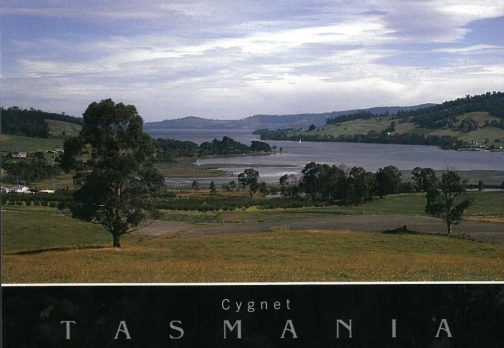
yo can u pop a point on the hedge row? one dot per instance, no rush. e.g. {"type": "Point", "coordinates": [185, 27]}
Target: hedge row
{"type": "Point", "coordinates": [227, 203]}
{"type": "Point", "coordinates": [62, 200]}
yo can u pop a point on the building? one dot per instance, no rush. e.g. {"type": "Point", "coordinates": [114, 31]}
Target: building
{"type": "Point", "coordinates": [19, 155]}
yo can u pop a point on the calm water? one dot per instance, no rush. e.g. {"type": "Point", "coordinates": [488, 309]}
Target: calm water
{"type": "Point", "coordinates": [370, 156]}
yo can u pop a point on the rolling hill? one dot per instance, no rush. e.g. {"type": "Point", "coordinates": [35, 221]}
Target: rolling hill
{"type": "Point", "coordinates": [473, 122]}
{"type": "Point", "coordinates": [269, 121]}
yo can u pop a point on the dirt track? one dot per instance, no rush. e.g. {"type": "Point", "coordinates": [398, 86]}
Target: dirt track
{"type": "Point", "coordinates": [482, 231]}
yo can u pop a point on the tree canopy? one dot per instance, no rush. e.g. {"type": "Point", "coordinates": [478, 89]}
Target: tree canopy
{"type": "Point", "coordinates": [250, 178]}
{"type": "Point", "coordinates": [425, 179]}
{"type": "Point", "coordinates": [388, 180]}
{"type": "Point", "coordinates": [322, 182]}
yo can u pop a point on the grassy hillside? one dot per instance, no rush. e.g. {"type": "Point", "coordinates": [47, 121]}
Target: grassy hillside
{"type": "Point", "coordinates": [62, 128]}
{"type": "Point", "coordinates": [28, 144]}
{"type": "Point", "coordinates": [490, 135]}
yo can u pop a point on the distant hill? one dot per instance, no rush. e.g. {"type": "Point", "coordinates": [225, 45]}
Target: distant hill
{"type": "Point", "coordinates": [38, 123]}
{"type": "Point", "coordinates": [270, 121]}
{"type": "Point", "coordinates": [474, 122]}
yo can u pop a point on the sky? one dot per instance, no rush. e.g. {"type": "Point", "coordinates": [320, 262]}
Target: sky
{"type": "Point", "coordinates": [230, 59]}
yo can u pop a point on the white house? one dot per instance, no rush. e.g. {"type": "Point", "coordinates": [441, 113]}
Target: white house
{"type": "Point", "coordinates": [22, 189]}
{"type": "Point", "coordinates": [19, 154]}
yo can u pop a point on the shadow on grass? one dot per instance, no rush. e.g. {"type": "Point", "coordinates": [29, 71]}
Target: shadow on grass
{"type": "Point", "coordinates": [401, 230]}
{"type": "Point", "coordinates": [404, 230]}
{"type": "Point", "coordinates": [39, 251]}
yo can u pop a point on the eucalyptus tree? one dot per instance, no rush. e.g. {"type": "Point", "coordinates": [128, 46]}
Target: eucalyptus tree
{"type": "Point", "coordinates": [388, 180]}
{"type": "Point", "coordinates": [250, 178]}
{"type": "Point", "coordinates": [448, 202]}
{"type": "Point", "coordinates": [425, 179]}
{"type": "Point", "coordinates": [113, 163]}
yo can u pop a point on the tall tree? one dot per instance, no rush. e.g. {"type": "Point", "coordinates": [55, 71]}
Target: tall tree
{"type": "Point", "coordinates": [113, 159]}
{"type": "Point", "coordinates": [213, 189]}
{"type": "Point", "coordinates": [388, 180]}
{"type": "Point", "coordinates": [448, 202]}
{"type": "Point", "coordinates": [195, 185]}
{"type": "Point", "coordinates": [425, 179]}
{"type": "Point", "coordinates": [312, 180]}
{"type": "Point", "coordinates": [250, 178]}
{"type": "Point", "coordinates": [360, 187]}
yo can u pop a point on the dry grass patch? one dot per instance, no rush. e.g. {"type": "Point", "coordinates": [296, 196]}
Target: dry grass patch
{"type": "Point", "coordinates": [275, 256]}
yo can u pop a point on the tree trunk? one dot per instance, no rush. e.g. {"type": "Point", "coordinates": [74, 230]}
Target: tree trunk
{"type": "Point", "coordinates": [116, 241]}
{"type": "Point", "coordinates": [449, 228]}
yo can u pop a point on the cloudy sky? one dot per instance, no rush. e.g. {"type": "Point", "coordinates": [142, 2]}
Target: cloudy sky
{"type": "Point", "coordinates": [231, 59]}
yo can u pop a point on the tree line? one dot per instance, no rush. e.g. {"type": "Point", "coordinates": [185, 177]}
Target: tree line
{"type": "Point", "coordinates": [383, 137]}
{"type": "Point", "coordinates": [170, 149]}
{"type": "Point", "coordinates": [364, 115]}
{"type": "Point", "coordinates": [438, 116]}
{"type": "Point", "coordinates": [445, 198]}
{"type": "Point", "coordinates": [329, 183]}
{"type": "Point", "coordinates": [323, 183]}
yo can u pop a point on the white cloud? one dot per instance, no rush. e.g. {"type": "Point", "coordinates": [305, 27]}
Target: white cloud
{"type": "Point", "coordinates": [79, 13]}
{"type": "Point", "coordinates": [233, 59]}
{"type": "Point", "coordinates": [474, 49]}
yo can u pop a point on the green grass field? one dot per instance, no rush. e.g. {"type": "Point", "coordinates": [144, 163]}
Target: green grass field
{"type": "Point", "coordinates": [485, 204]}
{"type": "Point", "coordinates": [58, 129]}
{"type": "Point", "coordinates": [16, 143]}
{"type": "Point", "coordinates": [357, 126]}
{"type": "Point", "coordinates": [31, 228]}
